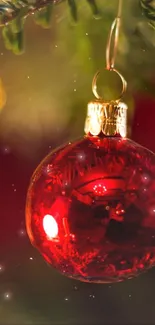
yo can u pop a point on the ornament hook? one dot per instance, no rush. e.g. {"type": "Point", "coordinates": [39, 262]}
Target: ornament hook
{"type": "Point", "coordinates": [94, 85]}
{"type": "Point", "coordinates": [112, 43]}
{"type": "Point", "coordinates": [111, 50]}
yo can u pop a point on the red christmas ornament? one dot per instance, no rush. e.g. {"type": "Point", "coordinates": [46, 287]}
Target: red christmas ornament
{"type": "Point", "coordinates": [91, 204]}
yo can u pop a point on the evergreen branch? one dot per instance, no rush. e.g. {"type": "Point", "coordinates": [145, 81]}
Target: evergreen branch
{"type": "Point", "coordinates": [73, 9]}
{"type": "Point", "coordinates": [148, 8]}
{"type": "Point", "coordinates": [9, 10]}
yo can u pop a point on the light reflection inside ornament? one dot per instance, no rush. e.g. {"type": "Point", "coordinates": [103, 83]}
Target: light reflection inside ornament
{"type": "Point", "coordinates": [146, 178]}
{"type": "Point", "coordinates": [81, 156]}
{"type": "Point", "coordinates": [99, 189]}
{"type": "Point", "coordinates": [50, 226]}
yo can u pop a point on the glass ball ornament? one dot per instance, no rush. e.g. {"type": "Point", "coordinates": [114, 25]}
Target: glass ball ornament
{"type": "Point", "coordinates": [90, 209]}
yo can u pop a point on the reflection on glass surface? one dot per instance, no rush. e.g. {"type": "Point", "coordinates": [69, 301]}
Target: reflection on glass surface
{"type": "Point", "coordinates": [93, 219]}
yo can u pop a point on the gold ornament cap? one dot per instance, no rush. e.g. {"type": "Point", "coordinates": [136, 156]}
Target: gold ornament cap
{"type": "Point", "coordinates": [109, 119]}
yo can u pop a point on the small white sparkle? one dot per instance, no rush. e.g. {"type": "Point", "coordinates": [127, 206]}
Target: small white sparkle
{"type": "Point", "coordinates": [129, 296]}
{"type": "Point", "coordinates": [66, 299]}
{"type": "Point", "coordinates": [7, 295]}
{"type": "Point", "coordinates": [81, 156]}
{"type": "Point", "coordinates": [75, 288]}
{"type": "Point", "coordinates": [28, 77]}
{"type": "Point", "coordinates": [2, 268]}
{"type": "Point", "coordinates": [21, 232]}
{"type": "Point", "coordinates": [92, 296]}
{"type": "Point", "coordinates": [6, 150]}
{"type": "Point", "coordinates": [31, 258]}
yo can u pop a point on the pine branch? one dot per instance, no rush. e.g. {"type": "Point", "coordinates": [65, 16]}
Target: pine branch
{"type": "Point", "coordinates": [94, 7]}
{"type": "Point", "coordinates": [13, 36]}
{"type": "Point", "coordinates": [73, 9]}
{"type": "Point", "coordinates": [9, 10]}
{"type": "Point", "coordinates": [148, 8]}
{"type": "Point", "coordinates": [43, 17]}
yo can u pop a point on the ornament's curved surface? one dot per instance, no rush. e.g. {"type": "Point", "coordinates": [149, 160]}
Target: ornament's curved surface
{"type": "Point", "coordinates": [91, 209]}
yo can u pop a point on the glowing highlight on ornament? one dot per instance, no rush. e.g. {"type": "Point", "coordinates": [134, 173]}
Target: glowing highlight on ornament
{"type": "Point", "coordinates": [50, 226]}
{"type": "Point", "coordinates": [99, 189]}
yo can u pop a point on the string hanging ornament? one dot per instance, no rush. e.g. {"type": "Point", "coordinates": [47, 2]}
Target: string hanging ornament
{"type": "Point", "coordinates": [90, 208]}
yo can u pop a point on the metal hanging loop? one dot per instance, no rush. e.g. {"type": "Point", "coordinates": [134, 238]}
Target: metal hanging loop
{"type": "Point", "coordinates": [94, 85]}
